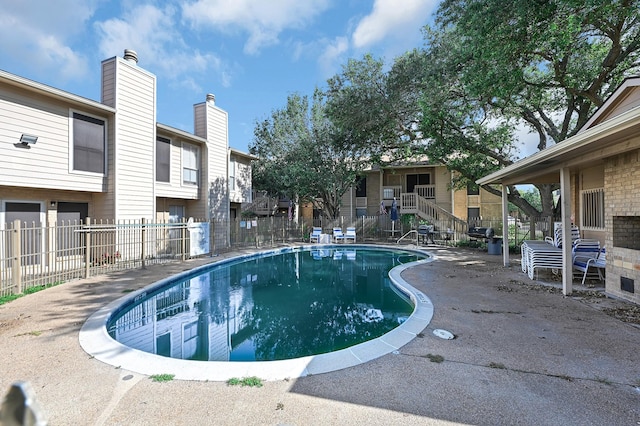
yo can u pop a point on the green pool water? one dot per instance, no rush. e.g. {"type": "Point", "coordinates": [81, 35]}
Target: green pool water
{"type": "Point", "coordinates": [284, 305]}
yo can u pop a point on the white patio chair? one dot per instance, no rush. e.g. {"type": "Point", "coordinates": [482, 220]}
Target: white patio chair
{"type": "Point", "coordinates": [315, 235]}
{"type": "Point", "coordinates": [585, 259]}
{"type": "Point", "coordinates": [350, 235]}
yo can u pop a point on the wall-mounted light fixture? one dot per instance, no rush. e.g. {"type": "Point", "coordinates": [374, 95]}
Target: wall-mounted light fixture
{"type": "Point", "coordinates": [52, 204]}
{"type": "Point", "coordinates": [26, 140]}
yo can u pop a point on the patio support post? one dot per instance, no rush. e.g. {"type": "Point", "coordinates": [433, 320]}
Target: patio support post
{"type": "Point", "coordinates": [565, 205]}
{"type": "Point", "coordinates": [505, 226]}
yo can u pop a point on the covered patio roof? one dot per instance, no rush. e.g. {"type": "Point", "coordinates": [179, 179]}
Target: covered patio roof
{"type": "Point", "coordinates": [612, 130]}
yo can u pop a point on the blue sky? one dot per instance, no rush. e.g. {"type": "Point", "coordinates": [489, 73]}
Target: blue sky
{"type": "Point", "coordinates": [250, 54]}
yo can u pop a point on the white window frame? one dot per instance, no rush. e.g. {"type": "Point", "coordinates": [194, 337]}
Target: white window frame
{"type": "Point", "coordinates": [162, 139]}
{"type": "Point", "coordinates": [71, 144]}
{"type": "Point", "coordinates": [592, 209]}
{"type": "Point", "coordinates": [232, 174]}
{"type": "Point", "coordinates": [190, 164]}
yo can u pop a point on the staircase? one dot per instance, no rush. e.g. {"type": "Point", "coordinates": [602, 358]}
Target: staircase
{"type": "Point", "coordinates": [412, 203]}
{"type": "Point", "coordinates": [261, 206]}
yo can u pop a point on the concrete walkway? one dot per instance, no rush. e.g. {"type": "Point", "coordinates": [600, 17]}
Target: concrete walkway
{"type": "Point", "coordinates": [522, 355]}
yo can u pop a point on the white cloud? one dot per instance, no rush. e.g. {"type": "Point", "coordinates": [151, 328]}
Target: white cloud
{"type": "Point", "coordinates": [263, 21]}
{"type": "Point", "coordinates": [41, 34]}
{"type": "Point", "coordinates": [154, 34]}
{"type": "Point", "coordinates": [333, 55]}
{"type": "Point", "coordinates": [392, 19]}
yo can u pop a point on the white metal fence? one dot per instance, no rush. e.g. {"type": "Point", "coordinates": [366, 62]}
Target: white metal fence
{"type": "Point", "coordinates": [34, 255]}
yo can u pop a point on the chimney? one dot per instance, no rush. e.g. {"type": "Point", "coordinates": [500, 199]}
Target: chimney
{"type": "Point", "coordinates": [131, 56]}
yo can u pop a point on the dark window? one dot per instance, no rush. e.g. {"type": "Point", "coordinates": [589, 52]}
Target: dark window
{"type": "Point", "coordinates": [473, 213]}
{"type": "Point", "coordinates": [88, 143]}
{"type": "Point", "coordinates": [473, 189]}
{"type": "Point", "coordinates": [420, 179]}
{"type": "Point", "coordinates": [163, 159]}
{"type": "Point", "coordinates": [361, 187]}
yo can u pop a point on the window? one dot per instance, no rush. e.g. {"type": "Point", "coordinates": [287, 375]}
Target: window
{"type": "Point", "coordinates": [361, 186]}
{"type": "Point", "coordinates": [88, 143]}
{"type": "Point", "coordinates": [190, 154]}
{"type": "Point", "coordinates": [473, 189]}
{"type": "Point", "coordinates": [592, 214]}
{"type": "Point", "coordinates": [163, 159]}
{"type": "Point", "coordinates": [232, 173]}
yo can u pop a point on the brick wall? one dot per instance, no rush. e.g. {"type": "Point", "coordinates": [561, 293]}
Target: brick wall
{"type": "Point", "coordinates": [622, 201]}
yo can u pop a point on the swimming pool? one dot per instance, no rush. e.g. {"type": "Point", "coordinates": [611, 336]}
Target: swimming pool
{"type": "Point", "coordinates": [215, 335]}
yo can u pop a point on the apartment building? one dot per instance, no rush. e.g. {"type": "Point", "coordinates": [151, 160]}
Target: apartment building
{"type": "Point", "coordinates": [65, 157]}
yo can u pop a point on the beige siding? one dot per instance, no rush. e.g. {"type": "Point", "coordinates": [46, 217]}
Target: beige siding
{"type": "Point", "coordinates": [200, 120]}
{"type": "Point", "coordinates": [442, 180]}
{"type": "Point", "coordinates": [46, 163]}
{"type": "Point", "coordinates": [174, 188]}
{"type": "Point", "coordinates": [242, 191]}
{"type": "Point", "coordinates": [109, 82]}
{"type": "Point", "coordinates": [593, 177]}
{"type": "Point", "coordinates": [217, 161]}
{"type": "Point", "coordinates": [135, 93]}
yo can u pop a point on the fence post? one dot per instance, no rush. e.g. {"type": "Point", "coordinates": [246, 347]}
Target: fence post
{"type": "Point", "coordinates": [183, 238]}
{"type": "Point", "coordinates": [17, 254]}
{"type": "Point", "coordinates": [143, 251]}
{"type": "Point", "coordinates": [87, 248]}
{"type": "Point", "coordinates": [212, 240]}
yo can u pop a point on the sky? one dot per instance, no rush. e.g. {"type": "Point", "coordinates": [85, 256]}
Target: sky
{"type": "Point", "coordinates": [251, 54]}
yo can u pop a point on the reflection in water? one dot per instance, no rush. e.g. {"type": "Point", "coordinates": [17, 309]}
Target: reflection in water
{"type": "Point", "coordinates": [284, 306]}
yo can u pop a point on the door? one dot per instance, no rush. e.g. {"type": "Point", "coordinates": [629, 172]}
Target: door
{"type": "Point", "coordinates": [30, 216]}
{"type": "Point", "coordinates": [417, 179]}
{"type": "Point", "coordinates": [69, 239]}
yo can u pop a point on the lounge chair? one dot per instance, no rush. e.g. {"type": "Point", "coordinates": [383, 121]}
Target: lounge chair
{"type": "Point", "coordinates": [338, 235]}
{"type": "Point", "coordinates": [315, 235]}
{"type": "Point", "coordinates": [587, 254]}
{"type": "Point", "coordinates": [350, 235]}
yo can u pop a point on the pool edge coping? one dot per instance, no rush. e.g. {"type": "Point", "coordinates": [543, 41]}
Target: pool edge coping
{"type": "Point", "coordinates": [95, 340]}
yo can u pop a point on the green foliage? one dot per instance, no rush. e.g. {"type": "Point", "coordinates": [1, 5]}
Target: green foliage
{"type": "Point", "coordinates": [245, 381]}
{"type": "Point", "coordinates": [493, 65]}
{"type": "Point", "coordinates": [302, 155]}
{"type": "Point", "coordinates": [9, 298]}
{"type": "Point", "coordinates": [30, 290]}
{"type": "Point", "coordinates": [162, 377]}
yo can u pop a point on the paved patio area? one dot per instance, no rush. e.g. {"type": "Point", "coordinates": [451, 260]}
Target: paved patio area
{"type": "Point", "coordinates": [522, 355]}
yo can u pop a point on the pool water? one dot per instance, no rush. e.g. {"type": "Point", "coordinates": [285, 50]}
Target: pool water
{"type": "Point", "coordinates": [285, 305]}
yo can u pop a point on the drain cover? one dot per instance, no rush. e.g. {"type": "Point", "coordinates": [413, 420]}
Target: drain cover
{"type": "Point", "coordinates": [443, 334]}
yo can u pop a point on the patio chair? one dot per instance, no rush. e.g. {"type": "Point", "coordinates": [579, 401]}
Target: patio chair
{"type": "Point", "coordinates": [350, 235]}
{"type": "Point", "coordinates": [338, 235]}
{"type": "Point", "coordinates": [585, 259]}
{"type": "Point", "coordinates": [315, 235]}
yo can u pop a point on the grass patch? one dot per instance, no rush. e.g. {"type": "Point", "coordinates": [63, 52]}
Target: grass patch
{"type": "Point", "coordinates": [162, 377]}
{"type": "Point", "coordinates": [245, 381]}
{"type": "Point", "coordinates": [9, 298]}
{"type": "Point", "coordinates": [29, 290]}
{"type": "Point", "coordinates": [435, 358]}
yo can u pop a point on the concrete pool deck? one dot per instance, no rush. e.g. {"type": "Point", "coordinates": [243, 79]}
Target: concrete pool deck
{"type": "Point", "coordinates": [522, 355]}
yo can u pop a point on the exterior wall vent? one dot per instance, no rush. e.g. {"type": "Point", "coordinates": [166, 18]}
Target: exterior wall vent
{"type": "Point", "coordinates": [627, 284]}
{"type": "Point", "coordinates": [130, 55]}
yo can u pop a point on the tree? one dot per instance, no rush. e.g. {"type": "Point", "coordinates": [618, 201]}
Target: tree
{"type": "Point", "coordinates": [495, 64]}
{"type": "Point", "coordinates": [379, 110]}
{"type": "Point", "coordinates": [302, 155]}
